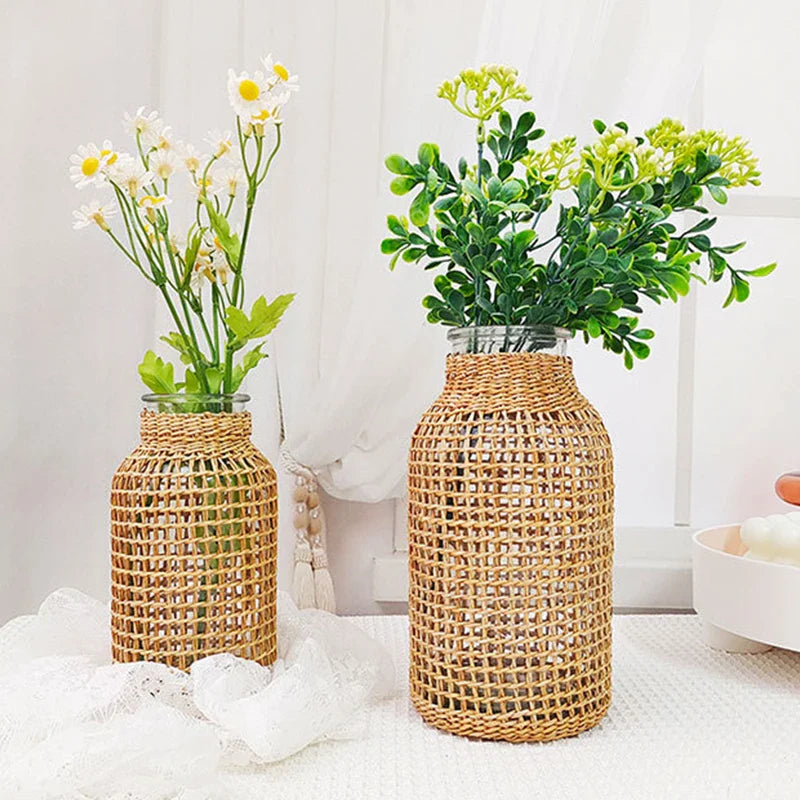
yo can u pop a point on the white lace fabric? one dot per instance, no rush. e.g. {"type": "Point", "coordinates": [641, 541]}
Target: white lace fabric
{"type": "Point", "coordinates": [74, 725]}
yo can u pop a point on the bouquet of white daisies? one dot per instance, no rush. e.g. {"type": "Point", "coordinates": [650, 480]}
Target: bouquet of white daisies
{"type": "Point", "coordinates": [198, 267]}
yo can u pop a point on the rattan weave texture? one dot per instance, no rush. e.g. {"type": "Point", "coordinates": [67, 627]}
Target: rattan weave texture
{"type": "Point", "coordinates": [194, 543]}
{"type": "Point", "coordinates": [510, 552]}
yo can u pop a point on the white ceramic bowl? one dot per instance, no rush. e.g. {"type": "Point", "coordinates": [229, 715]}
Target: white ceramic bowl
{"type": "Point", "coordinates": [747, 605]}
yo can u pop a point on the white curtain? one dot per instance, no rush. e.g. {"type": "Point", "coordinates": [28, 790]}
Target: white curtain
{"type": "Point", "coordinates": [357, 363]}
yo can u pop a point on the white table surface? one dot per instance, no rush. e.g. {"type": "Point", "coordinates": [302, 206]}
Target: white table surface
{"type": "Point", "coordinates": [686, 722]}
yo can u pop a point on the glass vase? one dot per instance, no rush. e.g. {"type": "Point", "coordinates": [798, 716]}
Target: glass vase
{"type": "Point", "coordinates": [194, 536]}
{"type": "Point", "coordinates": [510, 523]}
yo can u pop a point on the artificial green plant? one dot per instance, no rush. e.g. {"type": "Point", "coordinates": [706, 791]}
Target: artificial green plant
{"type": "Point", "coordinates": [627, 219]}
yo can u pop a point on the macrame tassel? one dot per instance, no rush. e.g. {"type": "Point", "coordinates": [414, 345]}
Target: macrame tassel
{"type": "Point", "coordinates": [323, 585]}
{"type": "Point", "coordinates": [303, 583]}
{"type": "Point", "coordinates": [312, 585]}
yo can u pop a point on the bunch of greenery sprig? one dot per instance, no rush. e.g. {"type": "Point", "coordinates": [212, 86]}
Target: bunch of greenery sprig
{"type": "Point", "coordinates": [613, 244]}
{"type": "Point", "coordinates": [199, 269]}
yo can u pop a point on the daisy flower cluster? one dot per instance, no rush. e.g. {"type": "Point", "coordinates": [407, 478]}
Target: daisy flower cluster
{"type": "Point", "coordinates": [197, 266]}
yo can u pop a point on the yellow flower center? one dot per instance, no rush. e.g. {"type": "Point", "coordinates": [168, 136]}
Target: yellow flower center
{"type": "Point", "coordinates": [89, 166]}
{"type": "Point", "coordinates": [109, 156]}
{"type": "Point", "coordinates": [281, 72]}
{"type": "Point", "coordinates": [248, 90]}
{"type": "Point", "coordinates": [261, 116]}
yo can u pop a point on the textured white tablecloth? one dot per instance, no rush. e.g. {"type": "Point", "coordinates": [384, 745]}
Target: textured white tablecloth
{"type": "Point", "coordinates": [686, 722]}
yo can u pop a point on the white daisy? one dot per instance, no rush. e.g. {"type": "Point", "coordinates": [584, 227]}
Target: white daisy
{"type": "Point", "coordinates": [267, 116]}
{"type": "Point", "coordinates": [208, 185]}
{"type": "Point", "coordinates": [163, 163]}
{"type": "Point", "coordinates": [89, 164]}
{"type": "Point", "coordinates": [189, 155]}
{"type": "Point", "coordinates": [131, 175]}
{"type": "Point", "coordinates": [232, 178]}
{"type": "Point", "coordinates": [247, 95]}
{"type": "Point", "coordinates": [220, 142]}
{"type": "Point", "coordinates": [278, 75]}
{"type": "Point", "coordinates": [220, 262]}
{"type": "Point", "coordinates": [177, 243]}
{"type": "Point", "coordinates": [163, 139]}
{"type": "Point", "coordinates": [147, 125]}
{"type": "Point", "coordinates": [202, 269]}
{"type": "Point", "coordinates": [153, 201]}
{"type": "Point", "coordinates": [95, 212]}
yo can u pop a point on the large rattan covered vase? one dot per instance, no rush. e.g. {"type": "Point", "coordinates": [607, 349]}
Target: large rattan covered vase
{"type": "Point", "coordinates": [194, 537]}
{"type": "Point", "coordinates": [510, 528]}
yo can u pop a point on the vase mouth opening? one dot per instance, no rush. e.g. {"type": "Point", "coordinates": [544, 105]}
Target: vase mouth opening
{"type": "Point", "coordinates": [509, 339]}
{"type": "Point", "coordinates": [195, 403]}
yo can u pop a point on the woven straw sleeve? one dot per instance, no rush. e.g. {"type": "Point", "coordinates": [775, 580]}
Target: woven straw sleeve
{"type": "Point", "coordinates": [510, 528]}
{"type": "Point", "coordinates": [194, 543]}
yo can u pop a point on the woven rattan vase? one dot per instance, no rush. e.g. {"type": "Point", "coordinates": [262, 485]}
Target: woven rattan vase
{"type": "Point", "coordinates": [510, 544]}
{"type": "Point", "coordinates": [194, 537]}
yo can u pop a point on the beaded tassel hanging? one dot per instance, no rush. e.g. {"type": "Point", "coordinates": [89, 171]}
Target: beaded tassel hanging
{"type": "Point", "coordinates": [312, 586]}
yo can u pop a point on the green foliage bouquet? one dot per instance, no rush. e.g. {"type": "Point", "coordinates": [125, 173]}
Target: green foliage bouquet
{"type": "Point", "coordinates": [614, 242]}
{"type": "Point", "coordinates": [197, 268]}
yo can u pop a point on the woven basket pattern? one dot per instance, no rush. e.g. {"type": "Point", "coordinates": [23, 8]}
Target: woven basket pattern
{"type": "Point", "coordinates": [510, 548]}
{"type": "Point", "coordinates": [194, 543]}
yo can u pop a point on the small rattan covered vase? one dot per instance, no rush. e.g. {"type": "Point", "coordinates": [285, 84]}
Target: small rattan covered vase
{"type": "Point", "coordinates": [194, 537]}
{"type": "Point", "coordinates": [510, 528]}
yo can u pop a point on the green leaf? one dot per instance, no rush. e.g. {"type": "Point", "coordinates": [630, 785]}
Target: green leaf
{"type": "Point", "coordinates": [403, 185]}
{"type": "Point", "coordinates": [427, 154]}
{"type": "Point", "coordinates": [593, 328]}
{"type": "Point", "coordinates": [455, 300]}
{"type": "Point", "coordinates": [229, 241]}
{"type": "Point", "coordinates": [524, 123]}
{"type": "Point", "coordinates": [190, 256]}
{"type": "Point", "coordinates": [398, 165]}
{"type": "Point", "coordinates": [395, 225]}
{"type": "Point", "coordinates": [510, 190]}
{"type": "Point", "coordinates": [504, 119]}
{"type": "Point", "coordinates": [262, 320]}
{"type": "Point", "coordinates": [761, 272]}
{"type": "Point", "coordinates": [599, 297]}
{"type": "Point", "coordinates": [180, 343]}
{"type": "Point", "coordinates": [420, 209]}
{"type": "Point", "coordinates": [639, 349]}
{"type": "Point", "coordinates": [250, 360]}
{"type": "Point", "coordinates": [157, 375]}
{"type": "Point", "coordinates": [524, 239]}
{"type": "Point", "coordinates": [190, 382]}
{"type": "Point", "coordinates": [598, 255]}
{"type": "Point", "coordinates": [742, 289]}
{"type": "Point", "coordinates": [391, 245]}
{"type": "Point", "coordinates": [214, 377]}
{"type": "Point", "coordinates": [643, 333]}
{"type": "Point", "coordinates": [599, 125]}
{"type": "Point", "coordinates": [717, 193]}
{"type": "Point", "coordinates": [676, 280]}
{"type": "Point", "coordinates": [628, 358]}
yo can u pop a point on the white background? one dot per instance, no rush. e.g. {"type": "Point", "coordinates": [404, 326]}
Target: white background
{"type": "Point", "coordinates": [700, 430]}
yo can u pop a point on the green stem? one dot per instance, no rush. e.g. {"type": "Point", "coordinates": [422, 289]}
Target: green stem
{"type": "Point", "coordinates": [271, 155]}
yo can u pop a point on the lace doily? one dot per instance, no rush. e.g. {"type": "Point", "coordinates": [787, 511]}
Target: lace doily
{"type": "Point", "coordinates": [75, 725]}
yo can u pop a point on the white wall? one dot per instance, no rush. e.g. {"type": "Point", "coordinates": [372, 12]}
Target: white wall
{"type": "Point", "coordinates": [713, 419]}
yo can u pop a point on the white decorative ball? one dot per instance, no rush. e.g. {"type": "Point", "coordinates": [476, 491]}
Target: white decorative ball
{"type": "Point", "coordinates": [755, 532]}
